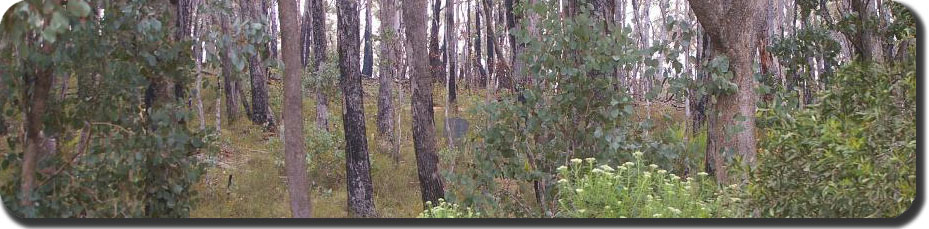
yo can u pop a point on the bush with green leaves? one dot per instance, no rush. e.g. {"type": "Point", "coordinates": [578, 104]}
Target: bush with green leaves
{"type": "Point", "coordinates": [575, 107]}
{"type": "Point", "coordinates": [447, 210]}
{"type": "Point", "coordinates": [851, 154]}
{"type": "Point", "coordinates": [115, 157]}
{"type": "Point", "coordinates": [587, 189]}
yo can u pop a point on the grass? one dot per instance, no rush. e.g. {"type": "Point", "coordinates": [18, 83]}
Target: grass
{"type": "Point", "coordinates": [254, 159]}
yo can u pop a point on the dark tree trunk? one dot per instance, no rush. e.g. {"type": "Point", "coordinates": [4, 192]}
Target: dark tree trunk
{"type": "Point", "coordinates": [307, 35]}
{"type": "Point", "coordinates": [367, 65]}
{"type": "Point", "coordinates": [868, 40]}
{"type": "Point", "coordinates": [451, 39]}
{"type": "Point", "coordinates": [229, 80]}
{"type": "Point", "coordinates": [435, 52]}
{"type": "Point", "coordinates": [427, 161]}
{"type": "Point", "coordinates": [294, 143]}
{"type": "Point", "coordinates": [268, 11]}
{"type": "Point", "coordinates": [477, 46]}
{"type": "Point", "coordinates": [41, 82]}
{"type": "Point", "coordinates": [319, 53]}
{"type": "Point", "coordinates": [388, 69]}
{"type": "Point", "coordinates": [491, 36]}
{"type": "Point", "coordinates": [731, 29]}
{"type": "Point", "coordinates": [357, 165]}
{"type": "Point", "coordinates": [260, 112]}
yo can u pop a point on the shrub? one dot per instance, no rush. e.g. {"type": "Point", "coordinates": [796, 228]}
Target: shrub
{"type": "Point", "coordinates": [448, 210]}
{"type": "Point", "coordinates": [852, 154]}
{"type": "Point", "coordinates": [636, 190]}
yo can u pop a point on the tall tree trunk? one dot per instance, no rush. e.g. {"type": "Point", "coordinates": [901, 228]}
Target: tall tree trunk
{"type": "Point", "coordinates": [260, 114]}
{"type": "Point", "coordinates": [427, 161]}
{"type": "Point", "coordinates": [41, 80]}
{"type": "Point", "coordinates": [731, 29]}
{"type": "Point", "coordinates": [388, 69]}
{"type": "Point", "coordinates": [435, 52]}
{"type": "Point", "coordinates": [451, 37]}
{"type": "Point", "coordinates": [319, 53]}
{"type": "Point", "coordinates": [294, 143]}
{"type": "Point", "coordinates": [229, 81]}
{"type": "Point", "coordinates": [478, 47]}
{"type": "Point", "coordinates": [198, 59]}
{"type": "Point", "coordinates": [868, 41]}
{"type": "Point", "coordinates": [367, 65]}
{"type": "Point", "coordinates": [357, 165]}
{"type": "Point", "coordinates": [490, 36]}
{"type": "Point", "coordinates": [270, 12]}
{"type": "Point", "coordinates": [306, 50]}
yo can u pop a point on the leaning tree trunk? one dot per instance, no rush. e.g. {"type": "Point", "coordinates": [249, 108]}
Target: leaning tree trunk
{"type": "Point", "coordinates": [427, 161]}
{"type": "Point", "coordinates": [731, 29]}
{"type": "Point", "coordinates": [319, 54]}
{"type": "Point", "coordinates": [388, 62]}
{"type": "Point", "coordinates": [294, 143]}
{"type": "Point", "coordinates": [357, 165]}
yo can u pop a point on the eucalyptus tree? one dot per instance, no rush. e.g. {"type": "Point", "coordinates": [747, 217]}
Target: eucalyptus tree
{"type": "Point", "coordinates": [424, 142]}
{"type": "Point", "coordinates": [367, 61]}
{"type": "Point", "coordinates": [318, 17]}
{"type": "Point", "coordinates": [730, 28]}
{"type": "Point", "coordinates": [294, 143]}
{"type": "Point", "coordinates": [388, 69]}
{"type": "Point", "coordinates": [357, 165]}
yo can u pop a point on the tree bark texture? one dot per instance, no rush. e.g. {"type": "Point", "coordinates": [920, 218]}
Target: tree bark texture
{"type": "Point", "coordinates": [294, 143]}
{"type": "Point", "coordinates": [731, 29]}
{"type": "Point", "coordinates": [424, 142]}
{"type": "Point", "coordinates": [388, 69]}
{"type": "Point", "coordinates": [357, 165]}
{"type": "Point", "coordinates": [319, 54]}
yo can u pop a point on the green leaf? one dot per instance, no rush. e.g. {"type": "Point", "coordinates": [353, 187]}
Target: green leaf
{"type": "Point", "coordinates": [78, 8]}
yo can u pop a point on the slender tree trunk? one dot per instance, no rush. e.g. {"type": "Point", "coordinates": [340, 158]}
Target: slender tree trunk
{"type": "Point", "coordinates": [307, 36]}
{"type": "Point", "coordinates": [731, 125]}
{"type": "Point", "coordinates": [491, 36]}
{"type": "Point", "coordinates": [478, 57]}
{"type": "Point", "coordinates": [367, 65]}
{"type": "Point", "coordinates": [435, 53]}
{"type": "Point", "coordinates": [270, 12]}
{"type": "Point", "coordinates": [869, 42]}
{"type": "Point", "coordinates": [229, 81]}
{"type": "Point", "coordinates": [427, 161]}
{"type": "Point", "coordinates": [41, 86]}
{"type": "Point", "coordinates": [451, 37]}
{"type": "Point", "coordinates": [388, 69]}
{"type": "Point", "coordinates": [357, 165]}
{"type": "Point", "coordinates": [198, 58]}
{"type": "Point", "coordinates": [260, 114]}
{"type": "Point", "coordinates": [294, 143]}
{"type": "Point", "coordinates": [319, 53]}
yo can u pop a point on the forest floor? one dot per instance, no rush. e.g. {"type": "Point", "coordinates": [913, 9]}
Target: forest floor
{"type": "Point", "coordinates": [253, 160]}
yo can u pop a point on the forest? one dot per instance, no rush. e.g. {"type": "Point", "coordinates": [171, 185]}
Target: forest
{"type": "Point", "coordinates": [458, 109]}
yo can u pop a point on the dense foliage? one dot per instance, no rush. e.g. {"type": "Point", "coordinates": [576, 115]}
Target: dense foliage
{"type": "Point", "coordinates": [852, 154]}
{"type": "Point", "coordinates": [115, 157]}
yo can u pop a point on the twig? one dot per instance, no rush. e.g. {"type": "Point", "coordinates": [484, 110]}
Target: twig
{"type": "Point", "coordinates": [81, 148]}
{"type": "Point", "coordinates": [114, 125]}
